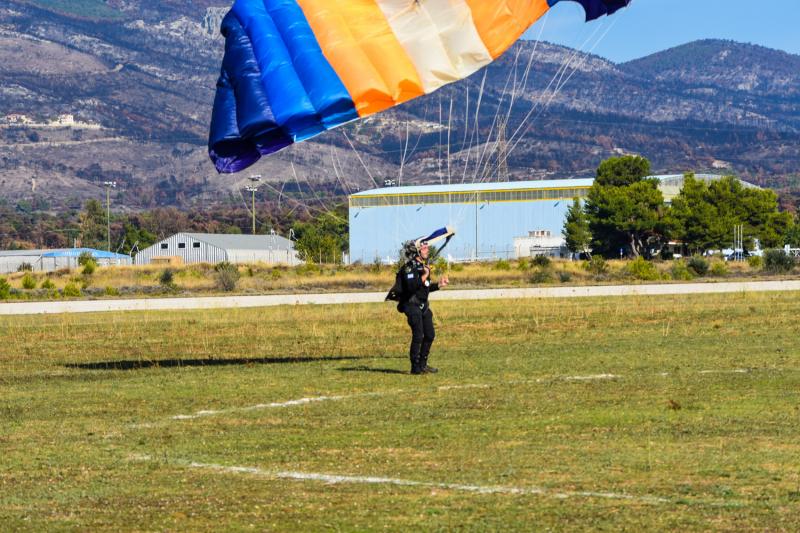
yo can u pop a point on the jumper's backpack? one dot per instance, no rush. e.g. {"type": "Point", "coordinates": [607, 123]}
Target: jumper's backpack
{"type": "Point", "coordinates": [395, 294]}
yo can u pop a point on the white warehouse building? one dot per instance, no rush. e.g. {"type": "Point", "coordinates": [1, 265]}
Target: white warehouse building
{"type": "Point", "coordinates": [505, 220]}
{"type": "Point", "coordinates": [213, 248]}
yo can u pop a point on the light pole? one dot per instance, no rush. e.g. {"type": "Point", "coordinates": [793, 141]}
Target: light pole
{"type": "Point", "coordinates": [108, 185]}
{"type": "Point", "coordinates": [254, 179]}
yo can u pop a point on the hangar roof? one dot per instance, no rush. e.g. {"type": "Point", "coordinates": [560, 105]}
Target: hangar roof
{"type": "Point", "coordinates": [243, 242]}
{"type": "Point", "coordinates": [477, 187]}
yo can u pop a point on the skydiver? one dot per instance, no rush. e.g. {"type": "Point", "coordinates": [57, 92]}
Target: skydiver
{"type": "Point", "coordinates": [415, 276]}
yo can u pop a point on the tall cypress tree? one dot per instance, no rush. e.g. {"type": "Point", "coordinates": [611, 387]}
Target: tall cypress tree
{"type": "Point", "coordinates": [576, 230]}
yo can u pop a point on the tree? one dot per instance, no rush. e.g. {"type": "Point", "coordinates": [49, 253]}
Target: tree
{"type": "Point", "coordinates": [93, 225]}
{"type": "Point", "coordinates": [622, 171]}
{"type": "Point", "coordinates": [576, 229]}
{"type": "Point", "coordinates": [704, 215]}
{"type": "Point", "coordinates": [323, 238]}
{"type": "Point", "coordinates": [793, 233]}
{"type": "Point", "coordinates": [625, 209]}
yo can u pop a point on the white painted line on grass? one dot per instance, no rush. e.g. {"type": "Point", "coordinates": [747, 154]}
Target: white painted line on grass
{"type": "Point", "coordinates": [319, 399]}
{"type": "Point", "coordinates": [259, 406]}
{"type": "Point", "coordinates": [334, 479]}
{"type": "Point", "coordinates": [596, 377]}
{"type": "Point", "coordinates": [315, 399]}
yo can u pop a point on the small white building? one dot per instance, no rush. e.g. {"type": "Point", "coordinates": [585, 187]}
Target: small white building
{"type": "Point", "coordinates": [184, 248]}
{"type": "Point", "coordinates": [55, 259]}
{"type": "Point", "coordinates": [540, 242]}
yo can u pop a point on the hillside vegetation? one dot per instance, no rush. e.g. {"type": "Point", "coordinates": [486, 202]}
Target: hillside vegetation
{"type": "Point", "coordinates": [148, 78]}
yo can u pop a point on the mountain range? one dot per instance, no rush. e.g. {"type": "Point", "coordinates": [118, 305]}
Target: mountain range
{"type": "Point", "coordinates": [94, 91]}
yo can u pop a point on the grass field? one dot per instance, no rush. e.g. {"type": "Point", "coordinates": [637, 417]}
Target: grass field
{"type": "Point", "coordinates": [639, 413]}
{"type": "Point", "coordinates": [202, 279]}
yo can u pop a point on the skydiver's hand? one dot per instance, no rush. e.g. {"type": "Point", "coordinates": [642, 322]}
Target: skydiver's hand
{"type": "Point", "coordinates": [426, 273]}
{"type": "Point", "coordinates": [444, 282]}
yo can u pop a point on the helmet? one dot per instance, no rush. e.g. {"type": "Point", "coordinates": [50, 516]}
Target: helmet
{"type": "Point", "coordinates": [409, 251]}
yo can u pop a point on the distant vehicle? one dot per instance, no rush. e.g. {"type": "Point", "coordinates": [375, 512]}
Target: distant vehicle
{"type": "Point", "coordinates": [739, 255]}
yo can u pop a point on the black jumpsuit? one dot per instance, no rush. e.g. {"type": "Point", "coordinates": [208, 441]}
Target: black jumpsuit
{"type": "Point", "coordinates": [418, 312]}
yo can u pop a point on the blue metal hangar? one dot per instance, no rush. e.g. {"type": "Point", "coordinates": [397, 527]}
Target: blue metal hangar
{"type": "Point", "coordinates": [487, 217]}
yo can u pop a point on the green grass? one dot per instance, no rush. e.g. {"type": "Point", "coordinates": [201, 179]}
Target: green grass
{"type": "Point", "coordinates": [88, 441]}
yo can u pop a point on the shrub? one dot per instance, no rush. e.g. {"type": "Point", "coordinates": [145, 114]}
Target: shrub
{"type": "Point", "coordinates": [719, 269]}
{"type": "Point", "coordinates": [642, 269]}
{"type": "Point", "coordinates": [308, 269]}
{"type": "Point", "coordinates": [167, 278]}
{"type": "Point", "coordinates": [541, 261]}
{"type": "Point", "coordinates": [71, 290]}
{"type": "Point", "coordinates": [276, 274]}
{"type": "Point", "coordinates": [523, 263]}
{"type": "Point", "coordinates": [564, 276]}
{"type": "Point", "coordinates": [699, 265]}
{"type": "Point", "coordinates": [502, 265]}
{"type": "Point", "coordinates": [25, 267]}
{"type": "Point", "coordinates": [756, 262]}
{"type": "Point", "coordinates": [541, 275]}
{"type": "Point", "coordinates": [89, 266]}
{"type": "Point", "coordinates": [681, 272]}
{"type": "Point", "coordinates": [227, 276]}
{"type": "Point", "coordinates": [457, 267]}
{"type": "Point", "coordinates": [84, 258]}
{"type": "Point", "coordinates": [597, 265]}
{"type": "Point", "coordinates": [28, 282]}
{"type": "Point", "coordinates": [5, 289]}
{"type": "Point", "coordinates": [112, 291]}
{"type": "Point", "coordinates": [441, 265]}
{"type": "Point", "coordinates": [777, 262]}
{"type": "Point", "coordinates": [48, 284]}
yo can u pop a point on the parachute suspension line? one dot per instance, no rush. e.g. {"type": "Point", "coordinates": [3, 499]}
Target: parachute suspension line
{"type": "Point", "coordinates": [449, 173]}
{"type": "Point", "coordinates": [280, 195]}
{"type": "Point", "coordinates": [358, 155]}
{"type": "Point", "coordinates": [558, 88]}
{"type": "Point", "coordinates": [475, 127]}
{"type": "Point", "coordinates": [479, 162]}
{"type": "Point", "coordinates": [325, 208]}
{"type": "Point", "coordinates": [556, 79]}
{"type": "Point", "coordinates": [536, 42]}
{"type": "Point", "coordinates": [297, 203]}
{"type": "Point", "coordinates": [466, 118]}
{"type": "Point", "coordinates": [422, 132]}
{"type": "Point", "coordinates": [439, 146]}
{"type": "Point", "coordinates": [526, 78]}
{"type": "Point", "coordinates": [366, 169]}
{"type": "Point", "coordinates": [557, 76]}
{"type": "Point", "coordinates": [480, 154]}
{"type": "Point", "coordinates": [502, 126]}
{"type": "Point", "coordinates": [341, 168]}
{"type": "Point", "coordinates": [299, 188]}
{"type": "Point", "coordinates": [449, 130]}
{"type": "Point", "coordinates": [345, 188]}
{"type": "Point", "coordinates": [403, 158]}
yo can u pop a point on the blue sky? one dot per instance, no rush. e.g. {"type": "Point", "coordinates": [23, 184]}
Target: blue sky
{"type": "Point", "coordinates": [648, 26]}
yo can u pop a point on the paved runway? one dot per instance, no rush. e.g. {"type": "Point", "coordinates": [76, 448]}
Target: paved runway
{"type": "Point", "coordinates": [229, 302]}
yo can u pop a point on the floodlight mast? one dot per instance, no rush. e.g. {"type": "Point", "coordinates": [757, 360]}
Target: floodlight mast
{"type": "Point", "coordinates": [108, 185]}
{"type": "Point", "coordinates": [254, 179]}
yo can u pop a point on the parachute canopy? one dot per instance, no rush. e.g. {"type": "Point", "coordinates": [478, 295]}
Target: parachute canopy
{"type": "Point", "coordinates": [295, 68]}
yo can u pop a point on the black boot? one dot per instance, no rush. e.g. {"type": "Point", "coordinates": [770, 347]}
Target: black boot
{"type": "Point", "coordinates": [424, 368]}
